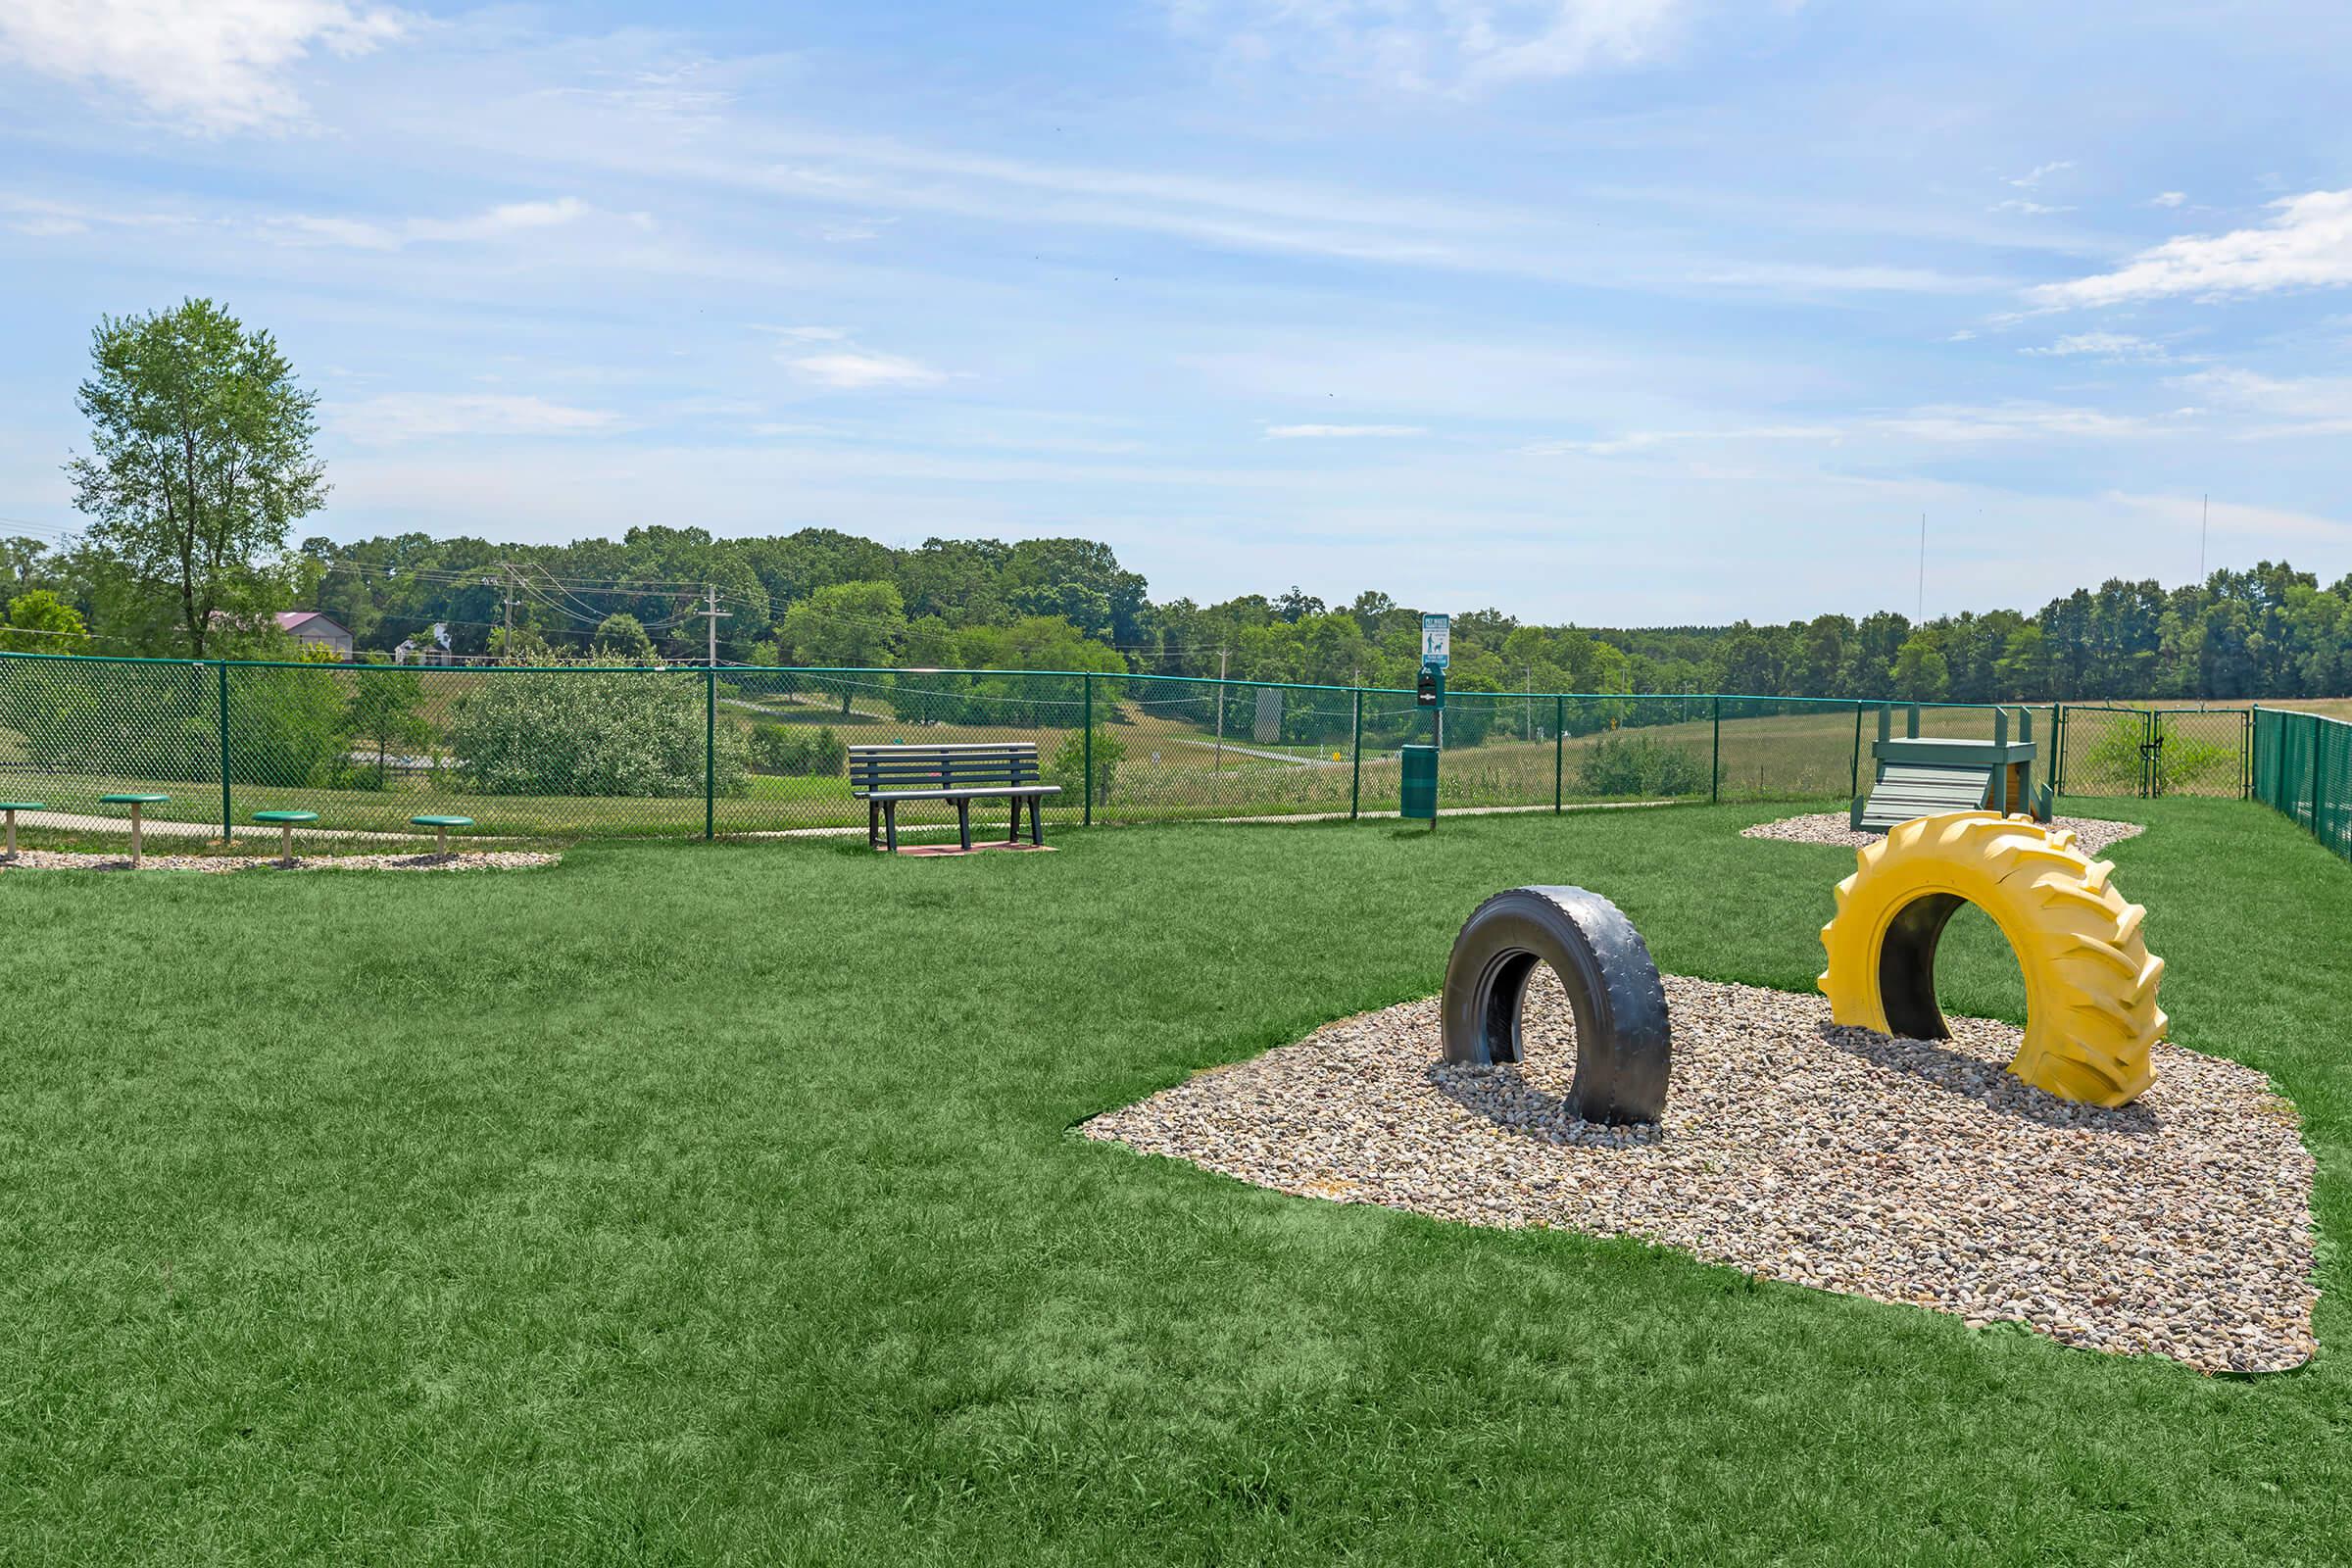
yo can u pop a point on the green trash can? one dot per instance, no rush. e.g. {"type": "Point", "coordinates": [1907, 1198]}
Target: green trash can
{"type": "Point", "coordinates": [1420, 782]}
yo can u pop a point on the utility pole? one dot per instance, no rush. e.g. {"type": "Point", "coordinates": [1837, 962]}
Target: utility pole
{"type": "Point", "coordinates": [506, 578]}
{"type": "Point", "coordinates": [1220, 766]}
{"type": "Point", "coordinates": [713, 614]}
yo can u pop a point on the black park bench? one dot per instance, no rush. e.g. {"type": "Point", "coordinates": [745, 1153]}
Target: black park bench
{"type": "Point", "coordinates": [882, 776]}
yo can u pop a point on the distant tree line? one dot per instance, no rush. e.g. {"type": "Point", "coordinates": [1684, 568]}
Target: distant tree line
{"type": "Point", "coordinates": [200, 465]}
{"type": "Point", "coordinates": [819, 597]}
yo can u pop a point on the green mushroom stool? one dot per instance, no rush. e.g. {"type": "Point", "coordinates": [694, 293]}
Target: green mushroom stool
{"type": "Point", "coordinates": [284, 822]}
{"type": "Point", "coordinates": [11, 808]}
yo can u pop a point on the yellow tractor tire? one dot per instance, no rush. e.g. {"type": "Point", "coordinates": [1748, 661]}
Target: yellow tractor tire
{"type": "Point", "coordinates": [2090, 982]}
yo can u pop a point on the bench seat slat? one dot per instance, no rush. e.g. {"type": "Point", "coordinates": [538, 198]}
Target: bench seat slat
{"type": "Point", "coordinates": [993, 792]}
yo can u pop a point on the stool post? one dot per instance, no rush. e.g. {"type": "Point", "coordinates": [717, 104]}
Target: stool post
{"type": "Point", "coordinates": [11, 835]}
{"type": "Point", "coordinates": [136, 843]}
{"type": "Point", "coordinates": [441, 845]}
{"type": "Point", "coordinates": [285, 845]}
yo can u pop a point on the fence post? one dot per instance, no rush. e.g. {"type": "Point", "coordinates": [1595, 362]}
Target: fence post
{"type": "Point", "coordinates": [1089, 817]}
{"type": "Point", "coordinates": [228, 822]}
{"type": "Point", "coordinates": [2151, 737]}
{"type": "Point", "coordinates": [1559, 748]}
{"type": "Point", "coordinates": [711, 751]}
{"type": "Point", "coordinates": [2314, 772]}
{"type": "Point", "coordinates": [2057, 750]}
{"type": "Point", "coordinates": [1715, 772]}
{"type": "Point", "coordinates": [1356, 756]}
{"type": "Point", "coordinates": [1856, 787]}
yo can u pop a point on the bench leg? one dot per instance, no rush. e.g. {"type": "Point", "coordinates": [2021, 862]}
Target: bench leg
{"type": "Point", "coordinates": [873, 824]}
{"type": "Point", "coordinates": [1037, 822]}
{"type": "Point", "coordinates": [890, 824]}
{"type": "Point", "coordinates": [963, 823]}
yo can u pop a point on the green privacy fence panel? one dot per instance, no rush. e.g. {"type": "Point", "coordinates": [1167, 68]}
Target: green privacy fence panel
{"type": "Point", "coordinates": [2302, 768]}
{"type": "Point", "coordinates": [576, 752]}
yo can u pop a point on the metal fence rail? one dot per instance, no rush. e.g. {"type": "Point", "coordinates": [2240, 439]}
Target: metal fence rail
{"type": "Point", "coordinates": [2302, 768]}
{"type": "Point", "coordinates": [575, 752]}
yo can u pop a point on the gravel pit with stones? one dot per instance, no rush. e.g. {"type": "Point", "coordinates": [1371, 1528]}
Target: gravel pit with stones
{"type": "Point", "coordinates": [2092, 833]}
{"type": "Point", "coordinates": [1909, 1171]}
{"type": "Point", "coordinates": [469, 860]}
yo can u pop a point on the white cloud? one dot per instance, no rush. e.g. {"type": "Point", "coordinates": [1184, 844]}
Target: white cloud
{"type": "Point", "coordinates": [1314, 432]}
{"type": "Point", "coordinates": [1967, 424]}
{"type": "Point", "coordinates": [2040, 171]}
{"type": "Point", "coordinates": [418, 415]}
{"type": "Point", "coordinates": [2297, 406]}
{"type": "Point", "coordinates": [2269, 522]}
{"type": "Point", "coordinates": [2167, 198]}
{"type": "Point", "coordinates": [2307, 245]}
{"type": "Point", "coordinates": [1646, 440]}
{"type": "Point", "coordinates": [2008, 422]}
{"type": "Point", "coordinates": [2100, 345]}
{"type": "Point", "coordinates": [1436, 45]}
{"type": "Point", "coordinates": [211, 66]}
{"type": "Point", "coordinates": [2029, 209]}
{"type": "Point", "coordinates": [496, 223]}
{"type": "Point", "coordinates": [861, 372]}
{"type": "Point", "coordinates": [1833, 278]}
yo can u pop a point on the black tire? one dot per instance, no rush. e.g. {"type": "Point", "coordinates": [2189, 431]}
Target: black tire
{"type": "Point", "coordinates": [1624, 1044]}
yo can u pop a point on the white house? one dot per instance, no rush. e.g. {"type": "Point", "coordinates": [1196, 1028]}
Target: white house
{"type": "Point", "coordinates": [434, 650]}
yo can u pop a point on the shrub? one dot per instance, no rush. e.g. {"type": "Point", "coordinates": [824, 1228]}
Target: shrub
{"type": "Point", "coordinates": [1068, 767]}
{"type": "Point", "coordinates": [798, 751]}
{"type": "Point", "coordinates": [582, 732]}
{"type": "Point", "coordinates": [1640, 765]}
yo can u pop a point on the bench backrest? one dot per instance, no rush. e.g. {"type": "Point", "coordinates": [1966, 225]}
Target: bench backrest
{"type": "Point", "coordinates": [942, 767]}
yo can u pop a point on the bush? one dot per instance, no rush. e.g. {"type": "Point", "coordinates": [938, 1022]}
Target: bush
{"type": "Point", "coordinates": [1640, 765]}
{"type": "Point", "coordinates": [583, 732]}
{"type": "Point", "coordinates": [1068, 767]}
{"type": "Point", "coordinates": [798, 751]}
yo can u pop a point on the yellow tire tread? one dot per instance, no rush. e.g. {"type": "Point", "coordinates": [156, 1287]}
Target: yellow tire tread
{"type": "Point", "coordinates": [2090, 981]}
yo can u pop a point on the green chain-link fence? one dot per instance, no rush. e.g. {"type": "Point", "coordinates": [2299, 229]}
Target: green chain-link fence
{"type": "Point", "coordinates": [574, 752]}
{"type": "Point", "coordinates": [2148, 752]}
{"type": "Point", "coordinates": [2303, 768]}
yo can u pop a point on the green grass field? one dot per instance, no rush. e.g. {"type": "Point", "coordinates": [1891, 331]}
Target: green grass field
{"type": "Point", "coordinates": [719, 1203]}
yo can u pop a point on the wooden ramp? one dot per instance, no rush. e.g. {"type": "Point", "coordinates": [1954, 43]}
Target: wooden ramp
{"type": "Point", "coordinates": [1905, 790]}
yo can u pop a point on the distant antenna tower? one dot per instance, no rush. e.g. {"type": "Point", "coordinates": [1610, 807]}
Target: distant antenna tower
{"type": "Point", "coordinates": [1920, 611]}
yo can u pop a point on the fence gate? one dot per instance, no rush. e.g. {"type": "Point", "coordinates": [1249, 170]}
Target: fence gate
{"type": "Point", "coordinates": [2104, 751]}
{"type": "Point", "coordinates": [2147, 752]}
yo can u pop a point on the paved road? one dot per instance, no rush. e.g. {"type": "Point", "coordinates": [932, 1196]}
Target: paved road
{"type": "Point", "coordinates": [1271, 757]}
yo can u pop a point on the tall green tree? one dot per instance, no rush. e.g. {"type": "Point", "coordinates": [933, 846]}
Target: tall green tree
{"type": "Point", "coordinates": [40, 622]}
{"type": "Point", "coordinates": [200, 461]}
{"type": "Point", "coordinates": [848, 625]}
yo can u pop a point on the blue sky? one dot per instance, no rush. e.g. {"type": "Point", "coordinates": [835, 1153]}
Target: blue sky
{"type": "Point", "coordinates": [1614, 311]}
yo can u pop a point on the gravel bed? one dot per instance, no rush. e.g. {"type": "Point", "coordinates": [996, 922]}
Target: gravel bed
{"type": "Point", "coordinates": [1908, 1171]}
{"type": "Point", "coordinates": [2092, 833]}
{"type": "Point", "coordinates": [466, 860]}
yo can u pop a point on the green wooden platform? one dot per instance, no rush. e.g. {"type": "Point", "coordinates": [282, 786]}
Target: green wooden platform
{"type": "Point", "coordinates": [1926, 775]}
